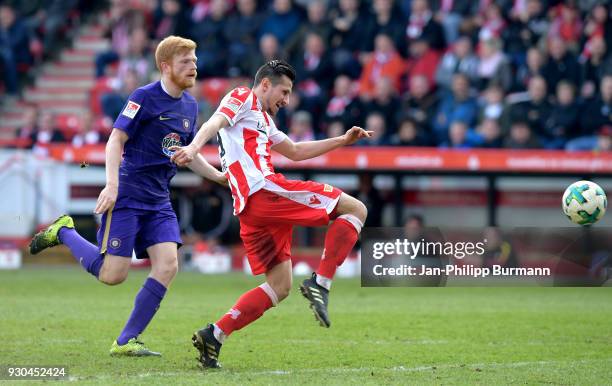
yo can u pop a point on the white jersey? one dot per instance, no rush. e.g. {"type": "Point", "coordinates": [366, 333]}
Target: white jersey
{"type": "Point", "coordinates": [244, 146]}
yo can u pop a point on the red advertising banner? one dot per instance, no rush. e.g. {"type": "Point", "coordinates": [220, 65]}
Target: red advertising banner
{"type": "Point", "coordinates": [406, 159]}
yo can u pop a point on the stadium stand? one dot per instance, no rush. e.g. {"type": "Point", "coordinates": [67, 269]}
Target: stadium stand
{"type": "Point", "coordinates": [498, 46]}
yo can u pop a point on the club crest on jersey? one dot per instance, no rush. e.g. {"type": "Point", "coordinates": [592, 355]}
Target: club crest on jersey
{"type": "Point", "coordinates": [131, 109]}
{"type": "Point", "coordinates": [115, 243]}
{"type": "Point", "coordinates": [186, 123]}
{"type": "Point", "coordinates": [172, 139]}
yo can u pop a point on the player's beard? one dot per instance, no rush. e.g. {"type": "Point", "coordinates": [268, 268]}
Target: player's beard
{"type": "Point", "coordinates": [271, 110]}
{"type": "Point", "coordinates": [183, 82]}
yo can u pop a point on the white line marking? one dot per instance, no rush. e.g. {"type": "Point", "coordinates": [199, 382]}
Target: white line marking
{"type": "Point", "coordinates": [399, 369]}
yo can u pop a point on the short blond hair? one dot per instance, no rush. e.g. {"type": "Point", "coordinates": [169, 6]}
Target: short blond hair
{"type": "Point", "coordinates": [169, 47]}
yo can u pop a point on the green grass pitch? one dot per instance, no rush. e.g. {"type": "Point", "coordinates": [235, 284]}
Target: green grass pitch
{"type": "Point", "coordinates": [61, 316]}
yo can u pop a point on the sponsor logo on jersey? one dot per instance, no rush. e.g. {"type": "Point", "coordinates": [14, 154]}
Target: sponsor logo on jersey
{"type": "Point", "coordinates": [328, 188]}
{"type": "Point", "coordinates": [172, 139]}
{"type": "Point", "coordinates": [186, 123]}
{"type": "Point", "coordinates": [162, 118]}
{"type": "Point", "coordinates": [131, 109]}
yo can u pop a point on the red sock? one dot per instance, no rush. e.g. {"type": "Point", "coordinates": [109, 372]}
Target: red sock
{"type": "Point", "coordinates": [249, 307]}
{"type": "Point", "coordinates": [340, 239]}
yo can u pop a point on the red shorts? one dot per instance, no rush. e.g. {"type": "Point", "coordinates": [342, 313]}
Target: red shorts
{"type": "Point", "coordinates": [266, 223]}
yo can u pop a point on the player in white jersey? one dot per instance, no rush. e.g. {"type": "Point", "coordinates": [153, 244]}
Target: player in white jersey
{"type": "Point", "coordinates": [268, 205]}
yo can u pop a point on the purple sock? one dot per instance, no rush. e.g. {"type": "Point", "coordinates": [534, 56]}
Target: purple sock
{"type": "Point", "coordinates": [145, 306]}
{"type": "Point", "coordinates": [83, 251]}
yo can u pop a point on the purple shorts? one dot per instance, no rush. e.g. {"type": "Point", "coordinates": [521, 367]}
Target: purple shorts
{"type": "Point", "coordinates": [124, 230]}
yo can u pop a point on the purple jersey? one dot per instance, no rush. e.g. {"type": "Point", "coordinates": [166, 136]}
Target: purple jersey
{"type": "Point", "coordinates": [154, 121]}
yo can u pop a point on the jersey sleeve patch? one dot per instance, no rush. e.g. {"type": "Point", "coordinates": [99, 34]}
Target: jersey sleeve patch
{"type": "Point", "coordinates": [131, 109]}
{"type": "Point", "coordinates": [233, 104]}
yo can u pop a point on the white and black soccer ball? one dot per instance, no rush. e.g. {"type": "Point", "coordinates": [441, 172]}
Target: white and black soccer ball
{"type": "Point", "coordinates": [584, 202]}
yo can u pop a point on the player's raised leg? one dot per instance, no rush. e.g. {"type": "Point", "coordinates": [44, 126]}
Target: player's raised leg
{"type": "Point", "coordinates": [341, 237]}
{"type": "Point", "coordinates": [62, 231]}
{"type": "Point", "coordinates": [249, 307]}
{"type": "Point", "coordinates": [164, 266]}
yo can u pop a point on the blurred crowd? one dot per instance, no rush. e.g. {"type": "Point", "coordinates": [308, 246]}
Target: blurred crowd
{"type": "Point", "coordinates": [32, 31]}
{"type": "Point", "coordinates": [448, 73]}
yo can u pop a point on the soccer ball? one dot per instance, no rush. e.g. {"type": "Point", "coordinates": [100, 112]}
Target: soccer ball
{"type": "Point", "coordinates": [584, 202]}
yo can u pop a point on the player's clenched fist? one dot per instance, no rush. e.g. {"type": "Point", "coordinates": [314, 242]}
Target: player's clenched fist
{"type": "Point", "coordinates": [183, 155]}
{"type": "Point", "coordinates": [106, 199]}
{"type": "Point", "coordinates": [356, 133]}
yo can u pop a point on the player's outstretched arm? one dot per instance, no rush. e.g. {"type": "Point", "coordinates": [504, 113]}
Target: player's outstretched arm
{"type": "Point", "coordinates": [186, 154]}
{"type": "Point", "coordinates": [310, 149]}
{"type": "Point", "coordinates": [202, 168]}
{"type": "Point", "coordinates": [114, 150]}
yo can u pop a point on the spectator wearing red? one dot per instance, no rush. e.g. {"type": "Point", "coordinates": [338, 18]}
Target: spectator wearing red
{"type": "Point", "coordinates": [423, 60]}
{"type": "Point", "coordinates": [567, 25]}
{"type": "Point", "coordinates": [384, 62]}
